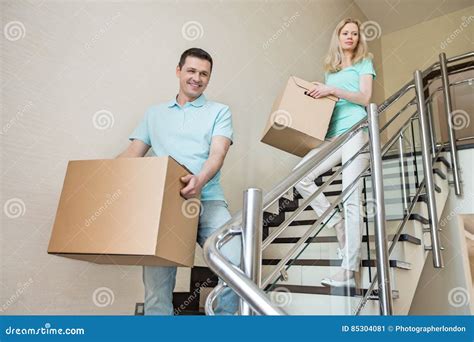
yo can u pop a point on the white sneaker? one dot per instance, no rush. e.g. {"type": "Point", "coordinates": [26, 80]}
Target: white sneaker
{"type": "Point", "coordinates": [338, 283]}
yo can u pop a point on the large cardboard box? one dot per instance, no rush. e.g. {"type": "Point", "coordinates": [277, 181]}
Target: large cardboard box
{"type": "Point", "coordinates": [126, 211]}
{"type": "Point", "coordinates": [298, 122]}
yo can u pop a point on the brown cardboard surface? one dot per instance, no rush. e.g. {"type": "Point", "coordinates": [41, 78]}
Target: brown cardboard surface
{"type": "Point", "coordinates": [298, 122]}
{"type": "Point", "coordinates": [124, 211]}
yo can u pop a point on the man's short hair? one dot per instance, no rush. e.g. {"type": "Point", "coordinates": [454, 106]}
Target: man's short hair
{"type": "Point", "coordinates": [194, 52]}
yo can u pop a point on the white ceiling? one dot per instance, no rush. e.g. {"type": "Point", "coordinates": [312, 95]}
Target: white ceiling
{"type": "Point", "coordinates": [394, 15]}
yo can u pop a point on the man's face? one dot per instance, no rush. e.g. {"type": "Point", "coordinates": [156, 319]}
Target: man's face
{"type": "Point", "coordinates": [194, 76]}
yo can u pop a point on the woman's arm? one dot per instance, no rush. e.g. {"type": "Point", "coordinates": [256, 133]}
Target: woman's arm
{"type": "Point", "coordinates": [361, 97]}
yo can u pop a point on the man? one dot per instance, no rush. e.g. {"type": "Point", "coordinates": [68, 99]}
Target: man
{"type": "Point", "coordinates": [197, 133]}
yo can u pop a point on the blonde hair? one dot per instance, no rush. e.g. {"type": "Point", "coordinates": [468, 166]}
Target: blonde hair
{"type": "Point", "coordinates": [333, 60]}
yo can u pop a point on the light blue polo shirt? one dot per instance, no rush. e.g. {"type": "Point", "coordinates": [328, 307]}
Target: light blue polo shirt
{"type": "Point", "coordinates": [185, 133]}
{"type": "Point", "coordinates": [346, 114]}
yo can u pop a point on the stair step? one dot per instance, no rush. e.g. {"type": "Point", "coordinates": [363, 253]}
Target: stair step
{"type": "Point", "coordinates": [278, 220]}
{"type": "Point", "coordinates": [402, 251]}
{"type": "Point", "coordinates": [314, 304]}
{"type": "Point", "coordinates": [393, 206]}
{"type": "Point", "coordinates": [312, 272]}
{"type": "Point", "coordinates": [334, 263]}
{"type": "Point", "coordinates": [325, 290]}
{"type": "Point", "coordinates": [333, 239]}
{"type": "Point", "coordinates": [140, 311]}
{"type": "Point", "coordinates": [391, 227]}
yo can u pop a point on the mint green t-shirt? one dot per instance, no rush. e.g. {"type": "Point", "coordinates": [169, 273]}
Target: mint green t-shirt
{"type": "Point", "coordinates": [346, 114]}
{"type": "Point", "coordinates": [185, 133]}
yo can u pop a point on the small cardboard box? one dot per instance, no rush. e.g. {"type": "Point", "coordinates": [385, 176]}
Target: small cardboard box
{"type": "Point", "coordinates": [298, 122]}
{"type": "Point", "coordinates": [126, 211]}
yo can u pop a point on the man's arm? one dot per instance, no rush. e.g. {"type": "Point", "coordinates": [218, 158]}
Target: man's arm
{"type": "Point", "coordinates": [194, 183]}
{"type": "Point", "coordinates": [136, 149]}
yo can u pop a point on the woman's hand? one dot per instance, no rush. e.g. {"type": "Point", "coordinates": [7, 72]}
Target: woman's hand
{"type": "Point", "coordinates": [320, 90]}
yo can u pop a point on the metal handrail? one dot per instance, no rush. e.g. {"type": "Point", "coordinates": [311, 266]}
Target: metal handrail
{"type": "Point", "coordinates": [302, 239]}
{"type": "Point", "coordinates": [311, 229]}
{"type": "Point", "coordinates": [428, 170]}
{"type": "Point", "coordinates": [385, 149]}
{"type": "Point", "coordinates": [385, 295]}
{"type": "Point", "coordinates": [232, 275]}
{"type": "Point", "coordinates": [411, 85]}
{"type": "Point", "coordinates": [397, 235]}
{"type": "Point", "coordinates": [364, 300]}
{"type": "Point", "coordinates": [453, 84]}
{"type": "Point", "coordinates": [307, 201]}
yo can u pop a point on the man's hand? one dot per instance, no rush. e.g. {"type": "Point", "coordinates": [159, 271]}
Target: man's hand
{"type": "Point", "coordinates": [194, 185]}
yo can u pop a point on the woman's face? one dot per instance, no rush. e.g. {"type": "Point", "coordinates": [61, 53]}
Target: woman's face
{"type": "Point", "coordinates": [349, 37]}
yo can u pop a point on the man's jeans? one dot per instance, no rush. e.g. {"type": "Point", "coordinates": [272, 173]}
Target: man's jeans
{"type": "Point", "coordinates": [159, 281]}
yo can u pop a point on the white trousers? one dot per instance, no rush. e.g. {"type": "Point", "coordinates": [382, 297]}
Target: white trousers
{"type": "Point", "coordinates": [352, 205]}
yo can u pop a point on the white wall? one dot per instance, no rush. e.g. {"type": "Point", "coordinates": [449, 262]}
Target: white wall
{"type": "Point", "coordinates": [418, 46]}
{"type": "Point", "coordinates": [69, 60]}
{"type": "Point", "coordinates": [442, 291]}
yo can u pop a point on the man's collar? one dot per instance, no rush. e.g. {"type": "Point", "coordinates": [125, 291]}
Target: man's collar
{"type": "Point", "coordinates": [199, 102]}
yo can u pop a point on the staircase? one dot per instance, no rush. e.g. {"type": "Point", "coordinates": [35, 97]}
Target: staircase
{"type": "Point", "coordinates": [301, 293]}
{"type": "Point", "coordinates": [282, 275]}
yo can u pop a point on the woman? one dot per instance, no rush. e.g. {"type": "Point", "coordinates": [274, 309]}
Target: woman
{"type": "Point", "coordinates": [349, 75]}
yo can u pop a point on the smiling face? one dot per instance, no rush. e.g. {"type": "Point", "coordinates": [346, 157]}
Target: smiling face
{"type": "Point", "coordinates": [349, 37]}
{"type": "Point", "coordinates": [193, 76]}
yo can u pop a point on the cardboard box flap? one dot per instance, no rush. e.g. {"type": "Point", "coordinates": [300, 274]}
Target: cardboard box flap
{"type": "Point", "coordinates": [302, 83]}
{"type": "Point", "coordinates": [182, 165]}
{"type": "Point", "coordinates": [308, 85]}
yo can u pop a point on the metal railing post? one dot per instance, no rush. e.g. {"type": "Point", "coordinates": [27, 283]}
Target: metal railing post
{"type": "Point", "coordinates": [385, 292]}
{"type": "Point", "coordinates": [415, 164]}
{"type": "Point", "coordinates": [428, 170]}
{"type": "Point", "coordinates": [451, 134]}
{"type": "Point", "coordinates": [402, 167]}
{"type": "Point", "coordinates": [429, 110]}
{"type": "Point", "coordinates": [252, 221]}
